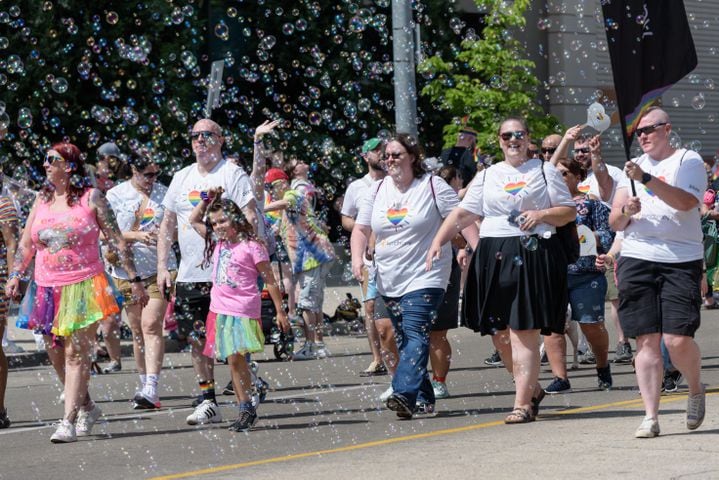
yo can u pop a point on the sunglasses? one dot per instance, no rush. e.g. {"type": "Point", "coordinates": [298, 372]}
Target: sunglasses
{"type": "Point", "coordinates": [581, 150]}
{"type": "Point", "coordinates": [506, 136]}
{"type": "Point", "coordinates": [565, 173]}
{"type": "Point", "coordinates": [649, 129]}
{"type": "Point", "coordinates": [549, 150]}
{"type": "Point", "coordinates": [533, 152]}
{"type": "Point", "coordinates": [206, 135]}
{"type": "Point", "coordinates": [50, 159]}
{"type": "Point", "coordinates": [393, 154]}
{"type": "Point", "coordinates": [151, 175]}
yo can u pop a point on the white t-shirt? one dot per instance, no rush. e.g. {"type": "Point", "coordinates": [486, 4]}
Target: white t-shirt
{"type": "Point", "coordinates": [591, 185]}
{"type": "Point", "coordinates": [404, 225]}
{"type": "Point", "coordinates": [354, 194]}
{"type": "Point", "coordinates": [125, 202]}
{"type": "Point", "coordinates": [503, 188]}
{"type": "Point", "coordinates": [182, 197]}
{"type": "Point", "coordinates": [660, 233]}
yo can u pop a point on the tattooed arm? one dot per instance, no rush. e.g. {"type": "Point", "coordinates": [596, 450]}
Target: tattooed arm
{"type": "Point", "coordinates": [108, 224]}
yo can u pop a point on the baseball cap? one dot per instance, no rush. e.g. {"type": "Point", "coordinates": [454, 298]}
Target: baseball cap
{"type": "Point", "coordinates": [468, 131]}
{"type": "Point", "coordinates": [274, 174]}
{"type": "Point", "coordinates": [371, 144]}
{"type": "Point", "coordinates": [109, 149]}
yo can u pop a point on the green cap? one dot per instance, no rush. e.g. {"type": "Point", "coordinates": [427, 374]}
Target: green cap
{"type": "Point", "coordinates": [371, 144]}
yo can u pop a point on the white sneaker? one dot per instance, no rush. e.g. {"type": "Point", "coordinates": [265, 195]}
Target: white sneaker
{"type": "Point", "coordinates": [649, 428]}
{"type": "Point", "coordinates": [65, 433]}
{"type": "Point", "coordinates": [86, 420]}
{"type": "Point", "coordinates": [386, 394]}
{"type": "Point", "coordinates": [696, 407]}
{"type": "Point", "coordinates": [304, 353]}
{"type": "Point", "coordinates": [319, 350]}
{"type": "Point", "coordinates": [206, 412]}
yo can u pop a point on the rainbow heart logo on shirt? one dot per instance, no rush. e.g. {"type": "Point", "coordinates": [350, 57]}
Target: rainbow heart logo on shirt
{"type": "Point", "coordinates": [514, 188]}
{"type": "Point", "coordinates": [194, 198]}
{"type": "Point", "coordinates": [395, 216]}
{"type": "Point", "coordinates": [582, 239]}
{"type": "Point", "coordinates": [584, 188]}
{"type": "Point", "coordinates": [147, 217]}
{"type": "Point", "coordinates": [652, 194]}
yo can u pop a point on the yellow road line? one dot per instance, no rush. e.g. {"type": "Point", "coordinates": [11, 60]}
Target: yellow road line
{"type": "Point", "coordinates": [405, 438]}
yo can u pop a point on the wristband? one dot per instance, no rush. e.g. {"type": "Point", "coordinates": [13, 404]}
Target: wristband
{"type": "Point", "coordinates": [258, 142]}
{"type": "Point", "coordinates": [204, 196]}
{"type": "Point", "coordinates": [14, 274]}
{"type": "Point", "coordinates": [469, 249]}
{"type": "Point", "coordinates": [611, 255]}
{"type": "Point", "coordinates": [625, 213]}
{"type": "Point", "coordinates": [136, 279]}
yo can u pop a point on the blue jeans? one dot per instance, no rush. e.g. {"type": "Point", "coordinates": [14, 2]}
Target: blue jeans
{"type": "Point", "coordinates": [668, 366]}
{"type": "Point", "coordinates": [411, 315]}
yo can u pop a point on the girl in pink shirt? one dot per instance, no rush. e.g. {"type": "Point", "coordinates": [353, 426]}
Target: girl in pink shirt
{"type": "Point", "coordinates": [233, 324]}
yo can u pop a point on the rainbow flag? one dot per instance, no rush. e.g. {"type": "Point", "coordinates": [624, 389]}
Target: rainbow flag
{"type": "Point", "coordinates": [651, 48]}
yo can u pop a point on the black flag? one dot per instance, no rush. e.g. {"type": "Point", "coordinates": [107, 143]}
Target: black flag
{"type": "Point", "coordinates": [651, 49]}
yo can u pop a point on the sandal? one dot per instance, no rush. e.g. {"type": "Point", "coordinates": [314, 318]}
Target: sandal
{"type": "Point", "coordinates": [519, 415]}
{"type": "Point", "coordinates": [536, 401]}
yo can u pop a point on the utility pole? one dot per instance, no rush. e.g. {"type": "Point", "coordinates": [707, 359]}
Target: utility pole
{"type": "Point", "coordinates": [405, 89]}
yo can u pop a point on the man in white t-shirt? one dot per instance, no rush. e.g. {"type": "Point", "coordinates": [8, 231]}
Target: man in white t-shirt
{"type": "Point", "coordinates": [380, 332]}
{"type": "Point", "coordinates": [192, 291]}
{"type": "Point", "coordinates": [660, 268]}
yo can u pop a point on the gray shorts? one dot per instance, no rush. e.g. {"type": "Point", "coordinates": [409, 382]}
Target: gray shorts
{"type": "Point", "coordinates": [312, 288]}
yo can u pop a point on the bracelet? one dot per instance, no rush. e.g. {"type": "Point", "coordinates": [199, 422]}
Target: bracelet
{"type": "Point", "coordinates": [136, 279]}
{"type": "Point", "coordinates": [611, 255]}
{"type": "Point", "coordinates": [624, 213]}
{"type": "Point", "coordinates": [14, 274]}
{"type": "Point", "coordinates": [258, 142]}
{"type": "Point", "coordinates": [469, 249]}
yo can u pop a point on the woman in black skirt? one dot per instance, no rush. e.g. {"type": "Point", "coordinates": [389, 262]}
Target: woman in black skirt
{"type": "Point", "coordinates": [517, 283]}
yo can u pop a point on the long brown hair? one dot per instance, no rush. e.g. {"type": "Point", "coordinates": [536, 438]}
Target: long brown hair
{"type": "Point", "coordinates": [411, 144]}
{"type": "Point", "coordinates": [78, 182]}
{"type": "Point", "coordinates": [238, 219]}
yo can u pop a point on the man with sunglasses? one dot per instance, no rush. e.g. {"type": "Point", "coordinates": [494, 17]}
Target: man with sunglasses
{"type": "Point", "coordinates": [461, 155]}
{"type": "Point", "coordinates": [189, 186]}
{"type": "Point", "coordinates": [549, 145]}
{"type": "Point", "coordinates": [661, 263]}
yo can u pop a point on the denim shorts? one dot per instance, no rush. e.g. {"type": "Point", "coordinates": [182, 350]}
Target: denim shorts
{"type": "Point", "coordinates": [586, 296]}
{"type": "Point", "coordinates": [312, 288]}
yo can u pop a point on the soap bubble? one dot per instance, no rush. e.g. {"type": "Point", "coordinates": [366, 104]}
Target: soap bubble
{"type": "Point", "coordinates": [24, 118]}
{"type": "Point", "coordinates": [222, 31]}
{"type": "Point", "coordinates": [112, 17]}
{"type": "Point", "coordinates": [59, 85]}
{"type": "Point", "coordinates": [698, 101]}
{"type": "Point", "coordinates": [529, 242]}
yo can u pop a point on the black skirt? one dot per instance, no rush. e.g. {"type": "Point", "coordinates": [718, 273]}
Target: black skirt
{"type": "Point", "coordinates": [509, 285]}
{"type": "Point", "coordinates": [448, 311]}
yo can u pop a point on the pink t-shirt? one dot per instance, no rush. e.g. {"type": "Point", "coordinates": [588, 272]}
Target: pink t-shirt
{"type": "Point", "coordinates": [67, 244]}
{"type": "Point", "coordinates": [234, 278]}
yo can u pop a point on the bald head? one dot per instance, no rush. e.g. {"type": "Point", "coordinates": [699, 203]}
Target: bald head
{"type": "Point", "coordinates": [551, 141]}
{"type": "Point", "coordinates": [207, 125]}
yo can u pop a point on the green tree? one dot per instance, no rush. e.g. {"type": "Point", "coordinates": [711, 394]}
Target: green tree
{"type": "Point", "coordinates": [89, 73]}
{"type": "Point", "coordinates": [488, 78]}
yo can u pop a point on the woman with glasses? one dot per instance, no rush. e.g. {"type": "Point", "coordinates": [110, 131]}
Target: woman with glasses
{"type": "Point", "coordinates": [403, 210]}
{"type": "Point", "coordinates": [71, 291]}
{"type": "Point", "coordinates": [586, 283]}
{"type": "Point", "coordinates": [517, 283]}
{"type": "Point", "coordinates": [137, 204]}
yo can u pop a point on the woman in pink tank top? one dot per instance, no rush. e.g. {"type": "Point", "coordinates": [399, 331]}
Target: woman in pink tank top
{"type": "Point", "coordinates": [71, 292]}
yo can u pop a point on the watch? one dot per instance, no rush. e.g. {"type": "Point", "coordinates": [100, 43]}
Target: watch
{"type": "Point", "coordinates": [646, 177]}
{"type": "Point", "coordinates": [136, 279]}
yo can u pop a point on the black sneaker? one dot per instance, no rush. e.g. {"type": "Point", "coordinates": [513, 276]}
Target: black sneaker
{"type": "Point", "coordinates": [229, 389]}
{"type": "Point", "coordinates": [671, 381]}
{"type": "Point", "coordinates": [245, 422]}
{"type": "Point", "coordinates": [544, 360]}
{"type": "Point", "coordinates": [559, 385]}
{"type": "Point", "coordinates": [494, 360]}
{"type": "Point", "coordinates": [623, 353]}
{"type": "Point", "coordinates": [397, 403]}
{"type": "Point", "coordinates": [604, 378]}
{"type": "Point", "coordinates": [4, 421]}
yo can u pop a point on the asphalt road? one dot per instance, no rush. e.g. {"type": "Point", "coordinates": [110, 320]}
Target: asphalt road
{"type": "Point", "coordinates": [321, 420]}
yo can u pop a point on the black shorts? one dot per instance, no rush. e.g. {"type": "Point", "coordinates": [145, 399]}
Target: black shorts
{"type": "Point", "coordinates": [192, 304]}
{"type": "Point", "coordinates": [448, 312]}
{"type": "Point", "coordinates": [659, 297]}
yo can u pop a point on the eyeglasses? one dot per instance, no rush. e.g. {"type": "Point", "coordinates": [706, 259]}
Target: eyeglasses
{"type": "Point", "coordinates": [549, 150]}
{"type": "Point", "coordinates": [151, 175]}
{"type": "Point", "coordinates": [50, 159]}
{"type": "Point", "coordinates": [519, 135]}
{"type": "Point", "coordinates": [649, 129]}
{"type": "Point", "coordinates": [393, 155]}
{"type": "Point", "coordinates": [581, 150]}
{"type": "Point", "coordinates": [205, 134]}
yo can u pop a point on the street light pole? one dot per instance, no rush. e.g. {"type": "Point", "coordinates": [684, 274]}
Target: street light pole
{"type": "Point", "coordinates": [405, 90]}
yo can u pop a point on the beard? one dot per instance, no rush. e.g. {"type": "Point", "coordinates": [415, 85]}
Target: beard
{"type": "Point", "coordinates": [376, 166]}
